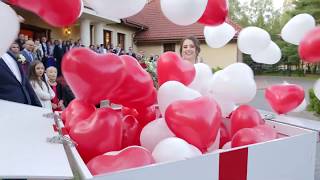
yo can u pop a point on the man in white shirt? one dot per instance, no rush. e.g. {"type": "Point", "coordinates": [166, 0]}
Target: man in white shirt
{"type": "Point", "coordinates": [14, 85]}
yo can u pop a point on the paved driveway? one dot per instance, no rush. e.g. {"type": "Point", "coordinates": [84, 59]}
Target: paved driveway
{"type": "Point", "coordinates": [265, 81]}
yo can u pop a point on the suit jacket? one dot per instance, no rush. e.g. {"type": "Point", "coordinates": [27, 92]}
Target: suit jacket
{"type": "Point", "coordinates": [12, 90]}
{"type": "Point", "coordinates": [27, 56]}
{"type": "Point", "coordinates": [58, 53]}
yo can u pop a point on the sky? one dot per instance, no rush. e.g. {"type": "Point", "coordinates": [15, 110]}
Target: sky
{"type": "Point", "coordinates": [277, 3]}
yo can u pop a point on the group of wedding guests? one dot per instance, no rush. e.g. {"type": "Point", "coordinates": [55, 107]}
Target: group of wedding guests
{"type": "Point", "coordinates": [47, 90]}
{"type": "Point", "coordinates": [38, 83]}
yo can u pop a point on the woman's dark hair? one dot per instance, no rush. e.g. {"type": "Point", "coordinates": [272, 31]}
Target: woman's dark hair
{"type": "Point", "coordinates": [195, 41]}
{"type": "Point", "coordinates": [33, 75]}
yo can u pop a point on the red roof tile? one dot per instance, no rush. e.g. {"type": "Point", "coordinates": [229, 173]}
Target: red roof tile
{"type": "Point", "coordinates": [158, 28]}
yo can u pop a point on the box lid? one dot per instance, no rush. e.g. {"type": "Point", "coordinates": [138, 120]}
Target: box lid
{"type": "Point", "coordinates": [24, 150]}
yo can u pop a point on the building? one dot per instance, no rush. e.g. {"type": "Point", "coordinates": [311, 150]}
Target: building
{"type": "Point", "coordinates": [160, 35]}
{"type": "Point", "coordinates": [148, 31]}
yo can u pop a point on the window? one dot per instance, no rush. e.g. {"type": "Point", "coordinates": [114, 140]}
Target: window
{"type": "Point", "coordinates": [91, 34]}
{"type": "Point", "coordinates": [107, 38]}
{"type": "Point", "coordinates": [169, 47]}
{"type": "Point", "coordinates": [121, 38]}
{"type": "Point", "coordinates": [34, 32]}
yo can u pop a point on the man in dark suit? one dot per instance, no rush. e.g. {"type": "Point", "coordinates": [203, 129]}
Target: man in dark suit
{"type": "Point", "coordinates": [58, 53]}
{"type": "Point", "coordinates": [14, 86]}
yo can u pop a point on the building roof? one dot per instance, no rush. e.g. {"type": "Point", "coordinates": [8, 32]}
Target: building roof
{"type": "Point", "coordinates": [156, 27]}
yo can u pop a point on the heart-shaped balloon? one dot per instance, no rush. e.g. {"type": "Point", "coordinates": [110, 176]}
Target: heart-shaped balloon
{"type": "Point", "coordinates": [196, 121]}
{"type": "Point", "coordinates": [183, 12]}
{"type": "Point", "coordinates": [146, 115]}
{"type": "Point", "coordinates": [251, 40]}
{"type": "Point", "coordinates": [284, 98]}
{"type": "Point", "coordinates": [297, 27]}
{"type": "Point", "coordinates": [310, 45]}
{"type": "Point", "coordinates": [200, 81]}
{"type": "Point", "coordinates": [234, 85]}
{"type": "Point", "coordinates": [129, 111]}
{"type": "Point", "coordinates": [92, 77]}
{"type": "Point", "coordinates": [174, 149]}
{"type": "Point", "coordinates": [173, 91]}
{"type": "Point", "coordinates": [244, 116]}
{"type": "Point", "coordinates": [130, 157]}
{"type": "Point", "coordinates": [56, 13]}
{"type": "Point", "coordinates": [116, 9]}
{"type": "Point", "coordinates": [137, 80]}
{"type": "Point", "coordinates": [254, 135]}
{"type": "Point", "coordinates": [171, 67]}
{"type": "Point", "coordinates": [131, 131]}
{"type": "Point", "coordinates": [100, 133]}
{"type": "Point", "coordinates": [9, 18]}
{"type": "Point", "coordinates": [224, 135]}
{"type": "Point", "coordinates": [76, 112]}
{"type": "Point", "coordinates": [218, 36]}
{"type": "Point", "coordinates": [215, 13]}
{"type": "Point", "coordinates": [154, 132]}
{"type": "Point", "coordinates": [145, 101]}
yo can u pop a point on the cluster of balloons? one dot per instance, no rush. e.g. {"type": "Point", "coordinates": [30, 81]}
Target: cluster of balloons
{"type": "Point", "coordinates": [189, 121]}
{"type": "Point", "coordinates": [301, 30]}
{"type": "Point", "coordinates": [257, 43]}
{"type": "Point", "coordinates": [187, 12]}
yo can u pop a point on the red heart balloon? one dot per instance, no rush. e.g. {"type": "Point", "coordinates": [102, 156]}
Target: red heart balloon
{"type": "Point", "coordinates": [309, 46]}
{"type": "Point", "coordinates": [285, 97]}
{"type": "Point", "coordinates": [55, 13]}
{"type": "Point", "coordinates": [224, 135]}
{"type": "Point", "coordinates": [130, 157]}
{"type": "Point", "coordinates": [137, 81]}
{"type": "Point", "coordinates": [171, 67]}
{"type": "Point", "coordinates": [92, 77]}
{"type": "Point", "coordinates": [146, 115]}
{"type": "Point", "coordinates": [145, 101]}
{"type": "Point", "coordinates": [196, 121]}
{"type": "Point", "coordinates": [244, 116]}
{"type": "Point", "coordinates": [129, 111]}
{"type": "Point", "coordinates": [215, 13]}
{"type": "Point", "coordinates": [254, 135]}
{"type": "Point", "coordinates": [131, 131]}
{"type": "Point", "coordinates": [100, 133]}
{"type": "Point", "coordinates": [76, 112]}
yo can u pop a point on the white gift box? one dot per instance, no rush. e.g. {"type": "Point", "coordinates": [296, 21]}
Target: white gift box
{"type": "Point", "coordinates": [26, 153]}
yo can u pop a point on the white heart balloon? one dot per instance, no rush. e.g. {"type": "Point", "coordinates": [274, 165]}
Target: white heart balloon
{"type": "Point", "coordinates": [316, 89]}
{"type": "Point", "coordinates": [239, 69]}
{"type": "Point", "coordinates": [172, 91]}
{"type": "Point", "coordinates": [297, 27]}
{"type": "Point", "coordinates": [270, 55]}
{"type": "Point", "coordinates": [200, 82]}
{"type": "Point", "coordinates": [174, 149]}
{"type": "Point", "coordinates": [10, 29]}
{"type": "Point", "coordinates": [251, 40]}
{"type": "Point", "coordinates": [117, 9]}
{"type": "Point", "coordinates": [218, 36]}
{"type": "Point", "coordinates": [226, 106]}
{"type": "Point", "coordinates": [154, 132]}
{"type": "Point", "coordinates": [231, 86]}
{"type": "Point", "coordinates": [183, 12]}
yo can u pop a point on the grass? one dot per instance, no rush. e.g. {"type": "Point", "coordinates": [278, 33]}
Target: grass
{"type": "Point", "coordinates": [293, 74]}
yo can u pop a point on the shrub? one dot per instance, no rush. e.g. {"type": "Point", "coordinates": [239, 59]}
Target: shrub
{"type": "Point", "coordinates": [314, 102]}
{"type": "Point", "coordinates": [216, 69]}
